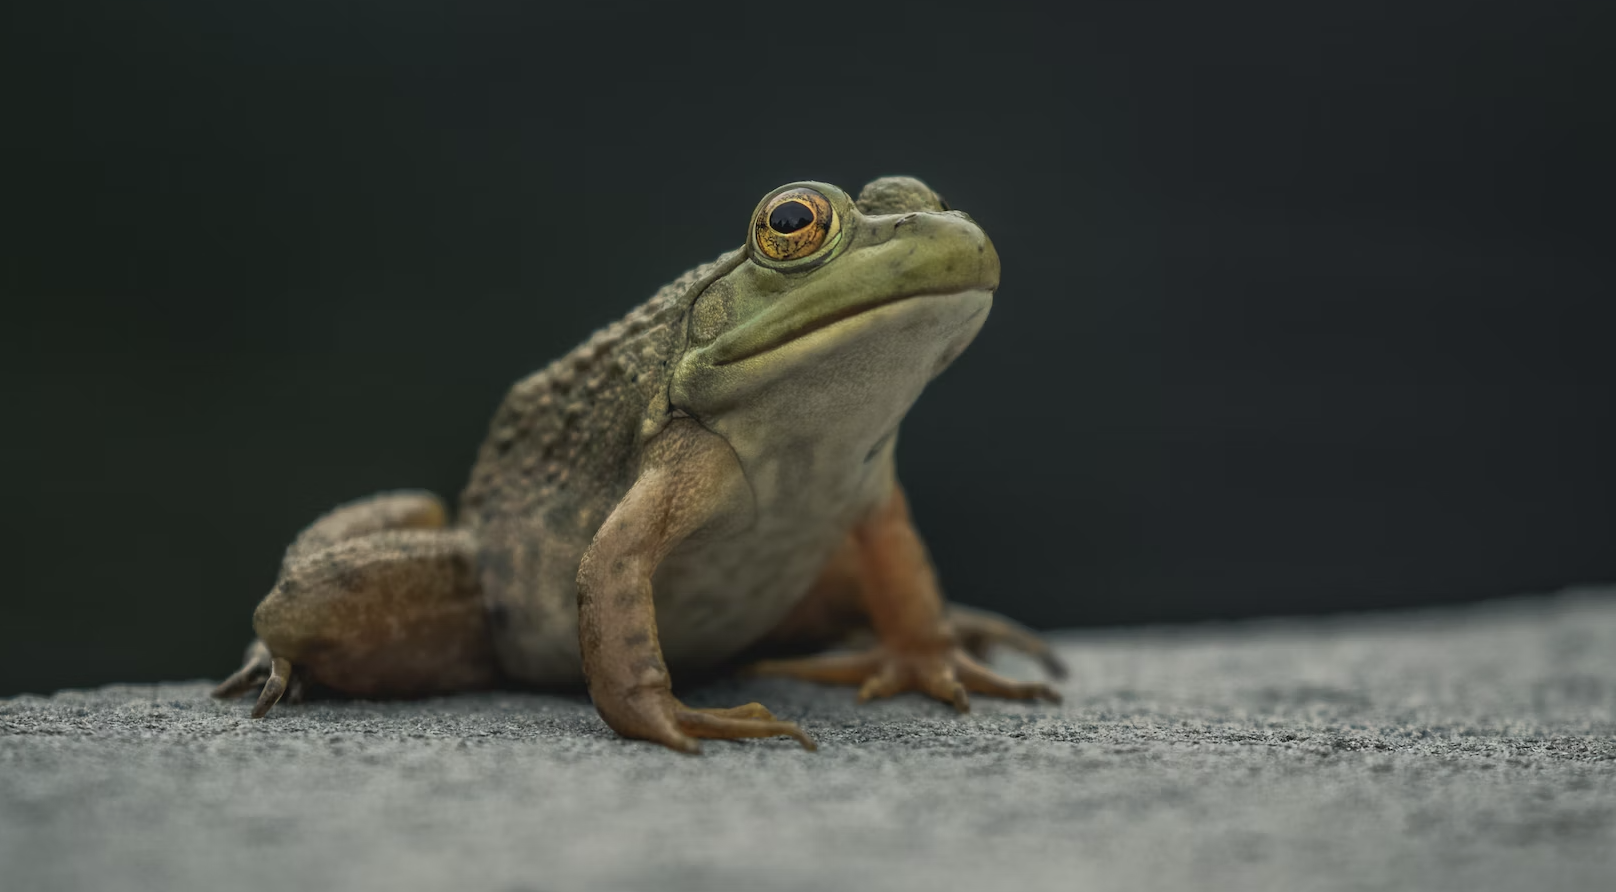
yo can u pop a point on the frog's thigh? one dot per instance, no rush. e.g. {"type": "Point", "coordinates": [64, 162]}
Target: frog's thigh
{"type": "Point", "coordinates": [404, 509]}
{"type": "Point", "coordinates": [392, 613]}
{"type": "Point", "coordinates": [396, 510]}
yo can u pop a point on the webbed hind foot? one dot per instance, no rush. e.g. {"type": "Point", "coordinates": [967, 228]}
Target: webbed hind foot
{"type": "Point", "coordinates": [947, 673]}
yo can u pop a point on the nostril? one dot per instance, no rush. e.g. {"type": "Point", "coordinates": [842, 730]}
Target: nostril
{"type": "Point", "coordinates": [906, 218]}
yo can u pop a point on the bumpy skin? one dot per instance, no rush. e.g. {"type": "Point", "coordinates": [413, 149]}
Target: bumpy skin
{"type": "Point", "coordinates": [564, 448]}
{"type": "Point", "coordinates": [709, 478]}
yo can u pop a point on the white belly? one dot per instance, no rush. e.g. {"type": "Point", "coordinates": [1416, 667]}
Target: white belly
{"type": "Point", "coordinates": [715, 598]}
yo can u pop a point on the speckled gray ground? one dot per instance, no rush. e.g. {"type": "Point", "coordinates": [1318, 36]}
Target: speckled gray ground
{"type": "Point", "coordinates": [1457, 749]}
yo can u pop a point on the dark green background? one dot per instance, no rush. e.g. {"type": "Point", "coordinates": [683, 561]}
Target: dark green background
{"type": "Point", "coordinates": [1306, 307]}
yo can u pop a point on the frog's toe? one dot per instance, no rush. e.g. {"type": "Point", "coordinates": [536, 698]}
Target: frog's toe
{"type": "Point", "coordinates": [741, 722]}
{"type": "Point", "coordinates": [262, 668]}
{"type": "Point", "coordinates": [884, 681]}
{"type": "Point", "coordinates": [949, 674]}
{"type": "Point", "coordinates": [655, 715]}
{"type": "Point", "coordinates": [255, 666]}
{"type": "Point", "coordinates": [280, 672]}
{"type": "Point", "coordinates": [976, 677]}
{"type": "Point", "coordinates": [979, 631]}
{"type": "Point", "coordinates": [749, 711]}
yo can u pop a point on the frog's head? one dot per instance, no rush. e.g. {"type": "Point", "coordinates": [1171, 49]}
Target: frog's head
{"type": "Point", "coordinates": [839, 312]}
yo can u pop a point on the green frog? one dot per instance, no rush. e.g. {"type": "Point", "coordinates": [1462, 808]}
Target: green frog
{"type": "Point", "coordinates": [706, 483]}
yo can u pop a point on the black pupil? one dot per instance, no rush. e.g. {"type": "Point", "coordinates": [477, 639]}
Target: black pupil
{"type": "Point", "coordinates": [790, 217]}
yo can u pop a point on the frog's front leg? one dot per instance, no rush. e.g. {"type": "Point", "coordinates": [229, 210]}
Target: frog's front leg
{"type": "Point", "coordinates": [918, 647]}
{"type": "Point", "coordinates": [689, 485]}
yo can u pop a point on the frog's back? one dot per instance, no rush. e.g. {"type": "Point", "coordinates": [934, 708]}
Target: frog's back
{"type": "Point", "coordinates": [561, 451]}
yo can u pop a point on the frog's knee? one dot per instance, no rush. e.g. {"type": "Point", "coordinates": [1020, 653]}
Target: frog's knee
{"type": "Point", "coordinates": [396, 612]}
{"type": "Point", "coordinates": [359, 589]}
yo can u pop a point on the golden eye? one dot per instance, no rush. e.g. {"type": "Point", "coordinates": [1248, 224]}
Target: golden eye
{"type": "Point", "coordinates": [794, 224]}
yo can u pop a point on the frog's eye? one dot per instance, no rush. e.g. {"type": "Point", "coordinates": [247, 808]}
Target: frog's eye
{"type": "Point", "coordinates": [794, 224]}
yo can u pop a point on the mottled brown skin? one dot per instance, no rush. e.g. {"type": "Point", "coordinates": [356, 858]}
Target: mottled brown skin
{"type": "Point", "coordinates": [707, 481]}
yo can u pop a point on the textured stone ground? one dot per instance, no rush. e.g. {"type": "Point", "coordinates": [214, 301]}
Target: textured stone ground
{"type": "Point", "coordinates": [1467, 749]}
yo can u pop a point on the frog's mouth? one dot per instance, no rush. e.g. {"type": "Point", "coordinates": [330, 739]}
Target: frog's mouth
{"type": "Point", "coordinates": [878, 352]}
{"type": "Point", "coordinates": [786, 328]}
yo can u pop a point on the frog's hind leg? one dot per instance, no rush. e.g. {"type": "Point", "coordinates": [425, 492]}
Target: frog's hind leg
{"type": "Point", "coordinates": [882, 581]}
{"type": "Point", "coordinates": [375, 599]}
{"type": "Point", "coordinates": [401, 510]}
{"type": "Point", "coordinates": [833, 615]}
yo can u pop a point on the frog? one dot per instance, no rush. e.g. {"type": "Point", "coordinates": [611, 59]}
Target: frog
{"type": "Point", "coordinates": [706, 484]}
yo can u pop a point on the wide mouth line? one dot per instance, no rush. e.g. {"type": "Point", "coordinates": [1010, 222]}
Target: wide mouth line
{"type": "Point", "coordinates": [829, 319]}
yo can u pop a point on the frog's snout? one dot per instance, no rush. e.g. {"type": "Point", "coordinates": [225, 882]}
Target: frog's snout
{"type": "Point", "coordinates": [944, 249]}
{"type": "Point", "coordinates": [967, 244]}
{"type": "Point", "coordinates": [988, 257]}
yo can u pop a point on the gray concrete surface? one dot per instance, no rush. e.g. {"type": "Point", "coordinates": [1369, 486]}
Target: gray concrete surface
{"type": "Point", "coordinates": [1469, 748]}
